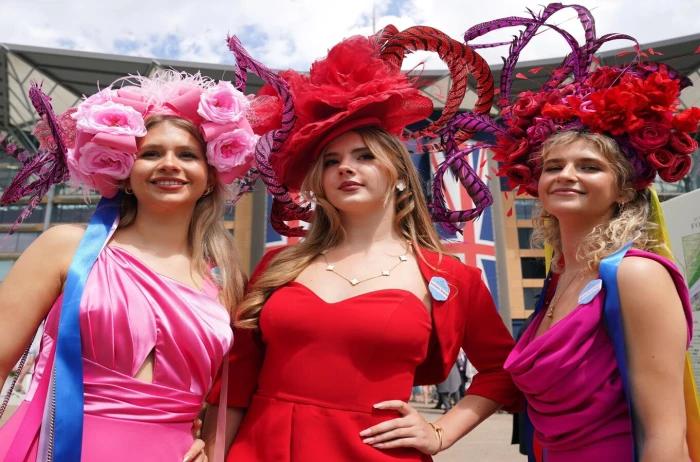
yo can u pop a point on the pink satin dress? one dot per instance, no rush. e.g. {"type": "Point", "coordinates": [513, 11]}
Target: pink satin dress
{"type": "Point", "coordinates": [129, 312]}
{"type": "Point", "coordinates": [574, 390]}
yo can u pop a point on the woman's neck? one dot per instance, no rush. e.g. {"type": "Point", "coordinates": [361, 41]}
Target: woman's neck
{"type": "Point", "coordinates": [572, 233]}
{"type": "Point", "coordinates": [365, 231]}
{"type": "Point", "coordinates": [160, 233]}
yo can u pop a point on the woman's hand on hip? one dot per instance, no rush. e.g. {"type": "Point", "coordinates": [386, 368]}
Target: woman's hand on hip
{"type": "Point", "coordinates": [410, 430]}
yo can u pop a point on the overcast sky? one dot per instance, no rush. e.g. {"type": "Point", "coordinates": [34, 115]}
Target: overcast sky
{"type": "Point", "coordinates": [291, 34]}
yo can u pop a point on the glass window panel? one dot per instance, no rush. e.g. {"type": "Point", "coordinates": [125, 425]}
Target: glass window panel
{"type": "Point", "coordinates": [24, 240]}
{"type": "Point", "coordinates": [17, 242]}
{"type": "Point", "coordinates": [532, 267]}
{"type": "Point", "coordinates": [10, 213]}
{"type": "Point", "coordinates": [524, 238]}
{"type": "Point", "coordinates": [524, 208]}
{"type": "Point", "coordinates": [5, 266]}
{"type": "Point", "coordinates": [72, 213]}
{"type": "Point", "coordinates": [531, 295]}
{"type": "Point", "coordinates": [8, 243]}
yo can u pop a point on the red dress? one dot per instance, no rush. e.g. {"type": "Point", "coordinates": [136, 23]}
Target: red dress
{"type": "Point", "coordinates": [311, 374]}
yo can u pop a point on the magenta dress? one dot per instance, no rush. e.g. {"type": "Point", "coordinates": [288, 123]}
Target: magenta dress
{"type": "Point", "coordinates": [573, 388]}
{"type": "Point", "coordinates": [127, 312]}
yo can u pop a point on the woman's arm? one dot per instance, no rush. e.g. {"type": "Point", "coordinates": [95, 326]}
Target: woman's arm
{"type": "Point", "coordinates": [413, 431]}
{"type": "Point", "coordinates": [30, 288]}
{"type": "Point", "coordinates": [656, 337]}
{"type": "Point", "coordinates": [234, 416]}
{"type": "Point", "coordinates": [486, 342]}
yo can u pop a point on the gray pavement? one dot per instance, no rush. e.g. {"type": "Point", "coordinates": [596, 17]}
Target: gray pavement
{"type": "Point", "coordinates": [489, 442]}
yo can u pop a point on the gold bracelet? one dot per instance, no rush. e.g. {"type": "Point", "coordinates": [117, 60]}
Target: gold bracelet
{"type": "Point", "coordinates": [438, 434]}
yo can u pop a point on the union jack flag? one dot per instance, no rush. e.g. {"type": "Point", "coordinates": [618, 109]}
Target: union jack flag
{"type": "Point", "coordinates": [475, 246]}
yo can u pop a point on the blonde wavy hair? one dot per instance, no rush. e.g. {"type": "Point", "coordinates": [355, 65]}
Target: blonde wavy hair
{"type": "Point", "coordinates": [210, 243]}
{"type": "Point", "coordinates": [630, 221]}
{"type": "Point", "coordinates": [411, 220]}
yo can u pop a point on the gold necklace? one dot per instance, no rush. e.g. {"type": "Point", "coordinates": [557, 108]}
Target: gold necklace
{"type": "Point", "coordinates": [559, 294]}
{"type": "Point", "coordinates": [355, 281]}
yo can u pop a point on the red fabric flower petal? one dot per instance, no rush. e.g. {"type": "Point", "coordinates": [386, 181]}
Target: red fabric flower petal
{"type": "Point", "coordinates": [682, 143]}
{"type": "Point", "coordinates": [677, 170]}
{"type": "Point", "coordinates": [661, 159]}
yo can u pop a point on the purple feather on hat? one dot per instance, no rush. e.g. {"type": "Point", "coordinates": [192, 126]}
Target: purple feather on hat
{"type": "Point", "coordinates": [42, 170]}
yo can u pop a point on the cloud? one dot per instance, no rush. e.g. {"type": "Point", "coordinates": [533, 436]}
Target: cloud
{"type": "Point", "coordinates": [293, 33]}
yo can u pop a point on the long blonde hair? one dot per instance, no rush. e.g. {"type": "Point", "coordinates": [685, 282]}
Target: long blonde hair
{"type": "Point", "coordinates": [630, 221]}
{"type": "Point", "coordinates": [411, 220]}
{"type": "Point", "coordinates": [210, 243]}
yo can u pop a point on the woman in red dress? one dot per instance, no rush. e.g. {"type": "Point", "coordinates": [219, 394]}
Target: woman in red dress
{"type": "Point", "coordinates": [336, 330]}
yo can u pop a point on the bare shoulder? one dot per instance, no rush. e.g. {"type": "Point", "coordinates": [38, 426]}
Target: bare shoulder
{"type": "Point", "coordinates": [60, 242]}
{"type": "Point", "coordinates": [648, 291]}
{"type": "Point", "coordinates": [642, 273]}
{"type": "Point", "coordinates": [66, 237]}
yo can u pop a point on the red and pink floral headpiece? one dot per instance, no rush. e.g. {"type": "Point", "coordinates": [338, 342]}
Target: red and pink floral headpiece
{"type": "Point", "coordinates": [635, 104]}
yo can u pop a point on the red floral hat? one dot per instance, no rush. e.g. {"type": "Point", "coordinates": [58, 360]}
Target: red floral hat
{"type": "Point", "coordinates": [339, 95]}
{"type": "Point", "coordinates": [635, 104]}
{"type": "Point", "coordinates": [360, 84]}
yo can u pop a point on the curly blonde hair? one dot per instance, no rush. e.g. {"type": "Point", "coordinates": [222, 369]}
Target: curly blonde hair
{"type": "Point", "coordinates": [630, 222]}
{"type": "Point", "coordinates": [411, 219]}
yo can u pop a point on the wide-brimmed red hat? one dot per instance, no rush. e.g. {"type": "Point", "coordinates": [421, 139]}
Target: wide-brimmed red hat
{"type": "Point", "coordinates": [352, 87]}
{"type": "Point", "coordinates": [360, 84]}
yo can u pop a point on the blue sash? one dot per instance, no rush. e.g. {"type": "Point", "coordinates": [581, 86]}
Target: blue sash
{"type": "Point", "coordinates": [68, 368]}
{"type": "Point", "coordinates": [612, 316]}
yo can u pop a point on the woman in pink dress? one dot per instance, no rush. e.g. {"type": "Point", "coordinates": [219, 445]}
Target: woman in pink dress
{"type": "Point", "coordinates": [601, 363]}
{"type": "Point", "coordinates": [152, 320]}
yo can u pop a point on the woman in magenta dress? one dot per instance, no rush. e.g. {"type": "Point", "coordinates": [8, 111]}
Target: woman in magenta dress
{"type": "Point", "coordinates": [153, 316]}
{"type": "Point", "coordinates": [588, 144]}
{"type": "Point", "coordinates": [336, 330]}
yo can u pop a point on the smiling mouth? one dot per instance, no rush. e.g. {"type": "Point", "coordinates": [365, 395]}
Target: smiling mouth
{"type": "Point", "coordinates": [566, 190]}
{"type": "Point", "coordinates": [168, 182]}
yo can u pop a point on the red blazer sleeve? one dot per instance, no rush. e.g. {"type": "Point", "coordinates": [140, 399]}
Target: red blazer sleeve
{"type": "Point", "coordinates": [245, 358]}
{"type": "Point", "coordinates": [487, 343]}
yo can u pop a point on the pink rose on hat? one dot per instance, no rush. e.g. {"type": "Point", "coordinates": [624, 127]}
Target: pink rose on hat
{"type": "Point", "coordinates": [112, 118]}
{"type": "Point", "coordinates": [100, 167]}
{"type": "Point", "coordinates": [222, 104]}
{"type": "Point", "coordinates": [231, 153]}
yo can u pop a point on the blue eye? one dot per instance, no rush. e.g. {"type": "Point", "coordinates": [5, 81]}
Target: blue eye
{"type": "Point", "coordinates": [329, 162]}
{"type": "Point", "coordinates": [367, 156]}
{"type": "Point", "coordinates": [189, 155]}
{"type": "Point", "coordinates": [149, 154]}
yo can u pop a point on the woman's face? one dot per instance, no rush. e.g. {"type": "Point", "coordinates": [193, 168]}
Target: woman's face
{"type": "Point", "coordinates": [353, 179]}
{"type": "Point", "coordinates": [170, 168]}
{"type": "Point", "coordinates": [578, 181]}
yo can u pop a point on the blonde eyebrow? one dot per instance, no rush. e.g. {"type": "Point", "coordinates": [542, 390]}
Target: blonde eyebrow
{"type": "Point", "coordinates": [180, 147]}
{"type": "Point", "coordinates": [354, 151]}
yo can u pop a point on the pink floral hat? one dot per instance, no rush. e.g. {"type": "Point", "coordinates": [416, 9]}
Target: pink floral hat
{"type": "Point", "coordinates": [100, 134]}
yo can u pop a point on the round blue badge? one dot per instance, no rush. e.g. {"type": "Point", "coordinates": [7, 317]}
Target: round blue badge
{"type": "Point", "coordinates": [589, 292]}
{"type": "Point", "coordinates": [439, 289]}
